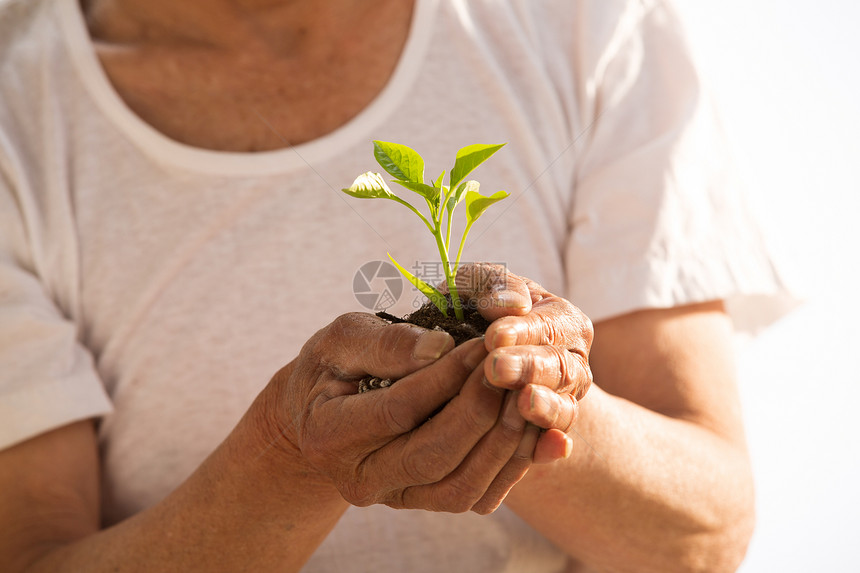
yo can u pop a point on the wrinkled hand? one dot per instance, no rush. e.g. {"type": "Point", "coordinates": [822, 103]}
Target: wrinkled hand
{"type": "Point", "coordinates": [538, 344]}
{"type": "Point", "coordinates": [440, 439]}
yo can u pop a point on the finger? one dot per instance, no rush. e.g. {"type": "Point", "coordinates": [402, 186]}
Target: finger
{"type": "Point", "coordinates": [555, 367]}
{"type": "Point", "coordinates": [552, 320]}
{"type": "Point", "coordinates": [437, 447]}
{"type": "Point", "coordinates": [492, 463]}
{"type": "Point", "coordinates": [552, 446]}
{"type": "Point", "coordinates": [381, 416]}
{"type": "Point", "coordinates": [511, 474]}
{"type": "Point", "coordinates": [377, 436]}
{"type": "Point", "coordinates": [493, 290]}
{"type": "Point", "coordinates": [546, 409]}
{"type": "Point", "coordinates": [536, 291]}
{"type": "Point", "coordinates": [413, 400]}
{"type": "Point", "coordinates": [357, 344]}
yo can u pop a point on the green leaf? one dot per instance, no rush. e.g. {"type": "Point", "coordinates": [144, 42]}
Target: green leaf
{"type": "Point", "coordinates": [438, 182]}
{"type": "Point", "coordinates": [429, 291]}
{"type": "Point", "coordinates": [401, 162]}
{"type": "Point", "coordinates": [369, 185]}
{"type": "Point", "coordinates": [469, 158]}
{"type": "Point", "coordinates": [468, 186]}
{"type": "Point", "coordinates": [427, 191]}
{"type": "Point", "coordinates": [476, 204]}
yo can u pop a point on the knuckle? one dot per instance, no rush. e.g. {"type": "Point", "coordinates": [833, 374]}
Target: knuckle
{"type": "Point", "coordinates": [568, 369]}
{"type": "Point", "coordinates": [551, 367]}
{"type": "Point", "coordinates": [339, 327]}
{"type": "Point", "coordinates": [566, 324]}
{"type": "Point", "coordinates": [520, 461]}
{"type": "Point", "coordinates": [426, 466]}
{"type": "Point", "coordinates": [350, 319]}
{"type": "Point", "coordinates": [346, 325]}
{"type": "Point", "coordinates": [580, 326]}
{"type": "Point", "coordinates": [552, 330]}
{"type": "Point", "coordinates": [314, 346]}
{"type": "Point", "coordinates": [501, 456]}
{"type": "Point", "coordinates": [586, 378]}
{"type": "Point", "coordinates": [320, 346]}
{"type": "Point", "coordinates": [458, 496]}
{"type": "Point", "coordinates": [479, 417]}
{"type": "Point", "coordinates": [568, 366]}
{"type": "Point", "coordinates": [391, 414]}
{"type": "Point", "coordinates": [356, 493]}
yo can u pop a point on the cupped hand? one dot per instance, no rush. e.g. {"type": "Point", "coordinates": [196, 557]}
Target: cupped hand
{"type": "Point", "coordinates": [538, 347]}
{"type": "Point", "coordinates": [440, 439]}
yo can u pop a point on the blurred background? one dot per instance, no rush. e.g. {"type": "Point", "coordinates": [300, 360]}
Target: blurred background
{"type": "Point", "coordinates": [786, 77]}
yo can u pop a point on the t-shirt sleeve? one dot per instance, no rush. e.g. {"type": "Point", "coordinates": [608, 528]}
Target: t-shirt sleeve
{"type": "Point", "coordinates": [47, 378]}
{"type": "Point", "coordinates": [659, 219]}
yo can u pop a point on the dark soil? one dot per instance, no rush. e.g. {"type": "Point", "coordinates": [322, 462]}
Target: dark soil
{"type": "Point", "coordinates": [430, 317]}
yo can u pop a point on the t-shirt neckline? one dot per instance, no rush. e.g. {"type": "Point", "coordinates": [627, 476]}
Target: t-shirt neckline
{"type": "Point", "coordinates": [314, 152]}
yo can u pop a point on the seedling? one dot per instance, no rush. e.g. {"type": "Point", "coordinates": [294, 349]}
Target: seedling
{"type": "Point", "coordinates": [406, 166]}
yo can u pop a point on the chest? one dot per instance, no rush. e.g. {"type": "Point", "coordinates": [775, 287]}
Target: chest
{"type": "Point", "coordinates": [230, 104]}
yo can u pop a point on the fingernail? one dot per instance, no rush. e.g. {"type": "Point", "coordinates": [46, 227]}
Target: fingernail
{"type": "Point", "coordinates": [539, 402]}
{"type": "Point", "coordinates": [490, 385]}
{"type": "Point", "coordinates": [507, 368]}
{"type": "Point", "coordinates": [509, 299]}
{"type": "Point", "coordinates": [568, 447]}
{"type": "Point", "coordinates": [432, 344]}
{"type": "Point", "coordinates": [526, 449]}
{"type": "Point", "coordinates": [511, 414]}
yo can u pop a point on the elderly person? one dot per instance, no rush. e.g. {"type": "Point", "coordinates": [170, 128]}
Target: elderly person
{"type": "Point", "coordinates": [171, 236]}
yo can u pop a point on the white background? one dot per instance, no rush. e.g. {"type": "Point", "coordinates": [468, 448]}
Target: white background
{"type": "Point", "coordinates": [786, 75]}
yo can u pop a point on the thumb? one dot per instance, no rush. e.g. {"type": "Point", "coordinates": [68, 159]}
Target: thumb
{"type": "Point", "coordinates": [357, 344]}
{"type": "Point", "coordinates": [494, 290]}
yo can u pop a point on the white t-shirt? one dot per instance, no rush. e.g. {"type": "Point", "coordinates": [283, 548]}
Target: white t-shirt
{"type": "Point", "coordinates": [159, 286]}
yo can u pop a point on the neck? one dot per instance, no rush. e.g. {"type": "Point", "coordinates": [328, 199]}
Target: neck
{"type": "Point", "coordinates": [279, 25]}
{"type": "Point", "coordinates": [306, 66]}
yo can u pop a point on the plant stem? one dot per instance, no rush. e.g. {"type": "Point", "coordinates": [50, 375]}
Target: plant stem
{"type": "Point", "coordinates": [450, 274]}
{"type": "Point", "coordinates": [414, 210]}
{"type": "Point", "coordinates": [448, 231]}
{"type": "Point", "coordinates": [449, 278]}
{"type": "Point", "coordinates": [462, 242]}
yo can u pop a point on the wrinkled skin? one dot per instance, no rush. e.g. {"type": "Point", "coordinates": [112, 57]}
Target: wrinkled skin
{"type": "Point", "coordinates": [541, 353]}
{"type": "Point", "coordinates": [460, 427]}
